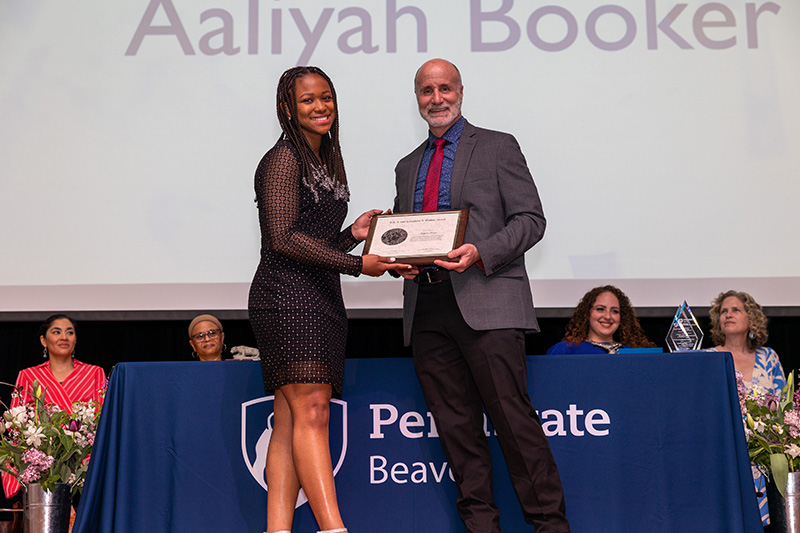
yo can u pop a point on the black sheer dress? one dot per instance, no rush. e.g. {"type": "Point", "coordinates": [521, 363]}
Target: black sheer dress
{"type": "Point", "coordinates": [295, 304]}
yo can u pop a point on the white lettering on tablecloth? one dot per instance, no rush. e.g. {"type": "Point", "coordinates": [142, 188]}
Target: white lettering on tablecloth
{"type": "Point", "coordinates": [575, 422]}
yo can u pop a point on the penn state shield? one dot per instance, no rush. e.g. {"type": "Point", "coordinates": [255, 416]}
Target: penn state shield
{"type": "Point", "coordinates": [257, 423]}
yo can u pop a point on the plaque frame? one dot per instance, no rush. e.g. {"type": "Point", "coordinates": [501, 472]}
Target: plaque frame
{"type": "Point", "coordinates": [444, 227]}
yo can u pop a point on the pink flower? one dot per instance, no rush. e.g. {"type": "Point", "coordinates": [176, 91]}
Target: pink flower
{"type": "Point", "coordinates": [38, 462]}
{"type": "Point", "coordinates": [30, 475]}
{"type": "Point", "coordinates": [792, 418]}
{"type": "Point", "coordinates": [37, 459]}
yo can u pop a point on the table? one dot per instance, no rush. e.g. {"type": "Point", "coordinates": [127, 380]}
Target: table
{"type": "Point", "coordinates": [643, 442]}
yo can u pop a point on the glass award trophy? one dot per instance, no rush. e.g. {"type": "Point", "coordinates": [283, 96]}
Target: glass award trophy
{"type": "Point", "coordinates": [684, 334]}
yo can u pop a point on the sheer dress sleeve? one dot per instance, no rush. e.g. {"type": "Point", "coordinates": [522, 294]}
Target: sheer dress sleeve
{"type": "Point", "coordinates": [278, 186]}
{"type": "Point", "coordinates": [345, 240]}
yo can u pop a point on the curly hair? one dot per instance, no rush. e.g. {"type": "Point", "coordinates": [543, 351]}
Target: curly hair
{"type": "Point", "coordinates": [629, 332]}
{"type": "Point", "coordinates": [330, 153]}
{"type": "Point", "coordinates": [758, 321]}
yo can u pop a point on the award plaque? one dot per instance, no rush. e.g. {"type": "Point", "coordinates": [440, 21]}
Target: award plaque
{"type": "Point", "coordinates": [684, 334]}
{"type": "Point", "coordinates": [417, 238]}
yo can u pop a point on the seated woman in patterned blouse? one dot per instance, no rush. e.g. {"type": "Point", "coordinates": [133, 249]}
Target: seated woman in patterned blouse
{"type": "Point", "coordinates": [738, 326]}
{"type": "Point", "coordinates": [603, 322]}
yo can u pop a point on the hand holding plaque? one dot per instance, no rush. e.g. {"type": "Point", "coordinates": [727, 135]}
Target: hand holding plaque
{"type": "Point", "coordinates": [684, 334]}
{"type": "Point", "coordinates": [417, 238]}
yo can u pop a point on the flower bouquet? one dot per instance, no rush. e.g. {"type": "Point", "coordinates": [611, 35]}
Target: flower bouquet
{"type": "Point", "coordinates": [44, 444]}
{"type": "Point", "coordinates": [772, 428]}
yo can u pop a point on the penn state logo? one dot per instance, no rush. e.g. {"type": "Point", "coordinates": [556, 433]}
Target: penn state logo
{"type": "Point", "coordinates": [257, 420]}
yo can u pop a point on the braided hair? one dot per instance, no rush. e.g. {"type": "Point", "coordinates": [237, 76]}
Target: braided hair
{"type": "Point", "coordinates": [330, 153]}
{"type": "Point", "coordinates": [629, 332]}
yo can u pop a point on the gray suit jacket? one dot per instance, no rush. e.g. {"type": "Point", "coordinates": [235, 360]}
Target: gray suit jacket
{"type": "Point", "coordinates": [492, 180]}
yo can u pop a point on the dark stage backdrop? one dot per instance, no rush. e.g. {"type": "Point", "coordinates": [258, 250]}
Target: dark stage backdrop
{"type": "Point", "coordinates": [106, 342]}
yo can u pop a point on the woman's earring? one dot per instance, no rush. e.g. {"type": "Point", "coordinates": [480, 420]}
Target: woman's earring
{"type": "Point", "coordinates": [751, 335]}
{"type": "Point", "coordinates": [44, 353]}
{"type": "Point", "coordinates": [194, 354]}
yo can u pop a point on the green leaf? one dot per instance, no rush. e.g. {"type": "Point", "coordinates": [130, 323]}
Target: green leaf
{"type": "Point", "coordinates": [82, 455]}
{"type": "Point", "coordinates": [787, 394]}
{"type": "Point", "coordinates": [780, 471]}
{"type": "Point", "coordinates": [63, 440]}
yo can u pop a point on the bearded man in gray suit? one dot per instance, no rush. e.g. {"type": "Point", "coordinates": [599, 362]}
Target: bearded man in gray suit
{"type": "Point", "coordinates": [465, 320]}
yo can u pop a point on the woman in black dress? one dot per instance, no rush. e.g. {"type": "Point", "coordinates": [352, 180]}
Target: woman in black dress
{"type": "Point", "coordinates": [295, 306]}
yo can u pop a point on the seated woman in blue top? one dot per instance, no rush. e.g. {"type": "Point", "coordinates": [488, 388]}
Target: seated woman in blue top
{"type": "Point", "coordinates": [603, 322]}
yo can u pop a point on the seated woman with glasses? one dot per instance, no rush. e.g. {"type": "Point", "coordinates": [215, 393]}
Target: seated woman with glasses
{"type": "Point", "coordinates": [206, 338]}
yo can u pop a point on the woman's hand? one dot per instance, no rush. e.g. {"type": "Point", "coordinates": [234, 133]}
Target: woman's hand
{"type": "Point", "coordinates": [375, 265]}
{"type": "Point", "coordinates": [360, 227]}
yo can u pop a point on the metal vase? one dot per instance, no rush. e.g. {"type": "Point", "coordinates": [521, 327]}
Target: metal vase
{"type": "Point", "coordinates": [784, 513]}
{"type": "Point", "coordinates": [45, 511]}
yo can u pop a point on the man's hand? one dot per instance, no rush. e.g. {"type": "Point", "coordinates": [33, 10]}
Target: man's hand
{"type": "Point", "coordinates": [409, 273]}
{"type": "Point", "coordinates": [467, 255]}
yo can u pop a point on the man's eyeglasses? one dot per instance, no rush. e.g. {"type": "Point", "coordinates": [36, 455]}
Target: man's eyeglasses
{"type": "Point", "coordinates": [211, 334]}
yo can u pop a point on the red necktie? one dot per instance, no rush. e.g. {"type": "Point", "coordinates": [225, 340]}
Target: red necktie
{"type": "Point", "coordinates": [430, 200]}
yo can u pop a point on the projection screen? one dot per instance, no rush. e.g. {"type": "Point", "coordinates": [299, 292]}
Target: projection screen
{"type": "Point", "coordinates": [664, 138]}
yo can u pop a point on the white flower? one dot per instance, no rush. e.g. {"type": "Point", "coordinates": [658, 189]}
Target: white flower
{"type": "Point", "coordinates": [793, 450]}
{"type": "Point", "coordinates": [84, 412]}
{"type": "Point", "coordinates": [79, 437]}
{"type": "Point", "coordinates": [17, 415]}
{"type": "Point", "coordinates": [759, 427]}
{"type": "Point", "coordinates": [33, 436]}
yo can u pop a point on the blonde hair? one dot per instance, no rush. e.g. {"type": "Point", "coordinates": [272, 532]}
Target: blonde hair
{"type": "Point", "coordinates": [758, 321]}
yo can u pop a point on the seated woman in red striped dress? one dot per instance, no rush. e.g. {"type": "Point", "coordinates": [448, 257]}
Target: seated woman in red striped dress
{"type": "Point", "coordinates": [64, 378]}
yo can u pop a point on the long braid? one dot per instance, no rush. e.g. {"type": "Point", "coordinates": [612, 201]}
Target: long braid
{"type": "Point", "coordinates": [330, 151]}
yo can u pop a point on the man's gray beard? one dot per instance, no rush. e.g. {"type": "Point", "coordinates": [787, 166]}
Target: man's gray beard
{"type": "Point", "coordinates": [455, 111]}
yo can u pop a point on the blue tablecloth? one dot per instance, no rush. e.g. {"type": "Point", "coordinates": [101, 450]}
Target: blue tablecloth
{"type": "Point", "coordinates": [643, 442]}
